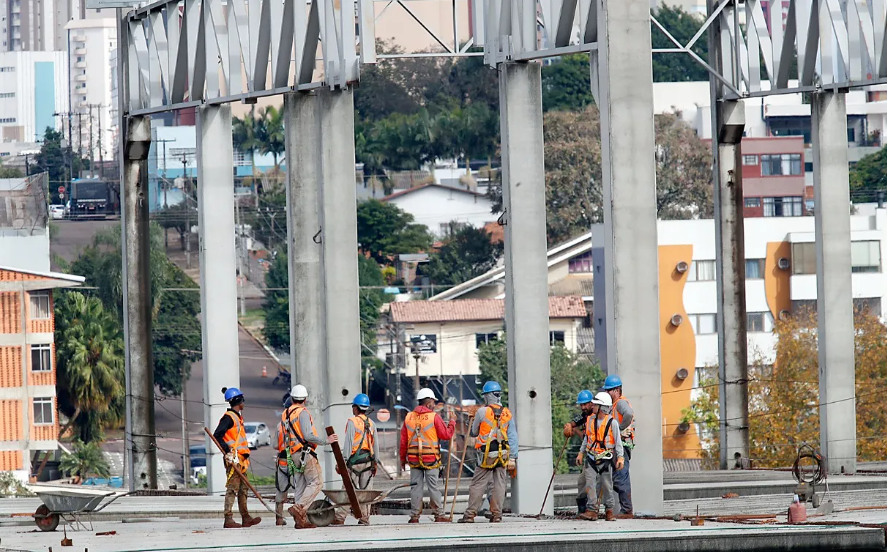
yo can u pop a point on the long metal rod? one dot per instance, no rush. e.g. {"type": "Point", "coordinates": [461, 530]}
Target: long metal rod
{"type": "Point", "coordinates": [424, 26]}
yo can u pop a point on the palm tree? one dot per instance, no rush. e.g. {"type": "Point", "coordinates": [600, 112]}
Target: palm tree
{"type": "Point", "coordinates": [271, 133]}
{"type": "Point", "coordinates": [245, 136]}
{"type": "Point", "coordinates": [87, 459]}
{"type": "Point", "coordinates": [90, 360]}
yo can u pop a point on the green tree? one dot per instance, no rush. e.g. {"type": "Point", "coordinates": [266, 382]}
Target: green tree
{"type": "Point", "coordinates": [10, 172]}
{"type": "Point", "coordinates": [868, 177]}
{"type": "Point", "coordinates": [471, 132]}
{"type": "Point", "coordinates": [245, 136]}
{"type": "Point", "coordinates": [683, 170]}
{"type": "Point", "coordinates": [54, 160]}
{"type": "Point", "coordinates": [466, 254]}
{"type": "Point", "coordinates": [683, 26]}
{"type": "Point", "coordinates": [570, 374]}
{"type": "Point", "coordinates": [270, 133]}
{"type": "Point", "coordinates": [566, 84]}
{"type": "Point", "coordinates": [384, 230]}
{"type": "Point", "coordinates": [89, 363]}
{"type": "Point", "coordinates": [87, 459]}
{"type": "Point", "coordinates": [276, 304]}
{"type": "Point", "coordinates": [371, 300]}
{"type": "Point", "coordinates": [178, 217]}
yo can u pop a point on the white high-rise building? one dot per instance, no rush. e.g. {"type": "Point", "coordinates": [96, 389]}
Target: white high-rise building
{"type": "Point", "coordinates": [33, 87]}
{"type": "Point", "coordinates": [92, 43]}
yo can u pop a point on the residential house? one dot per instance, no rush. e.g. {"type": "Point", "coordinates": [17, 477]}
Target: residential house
{"type": "Point", "coordinates": [444, 209]}
{"type": "Point", "coordinates": [28, 407]}
{"type": "Point", "coordinates": [773, 183]}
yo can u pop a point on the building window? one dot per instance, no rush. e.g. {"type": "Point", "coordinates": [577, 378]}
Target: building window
{"type": "Point", "coordinates": [749, 159]}
{"type": "Point", "coordinates": [484, 339]}
{"type": "Point", "coordinates": [43, 411]}
{"type": "Point", "coordinates": [703, 324]}
{"type": "Point", "coordinates": [759, 322]}
{"type": "Point", "coordinates": [752, 202]}
{"type": "Point", "coordinates": [754, 269]}
{"type": "Point", "coordinates": [808, 166]}
{"type": "Point", "coordinates": [701, 271]}
{"type": "Point", "coordinates": [581, 264]}
{"type": "Point", "coordinates": [870, 304]}
{"type": "Point", "coordinates": [7, 95]}
{"type": "Point", "coordinates": [803, 258]}
{"type": "Point", "coordinates": [851, 135]}
{"type": "Point", "coordinates": [41, 358]}
{"type": "Point", "coordinates": [865, 256]}
{"type": "Point", "coordinates": [7, 120]}
{"type": "Point", "coordinates": [783, 206]}
{"type": "Point", "coordinates": [7, 69]}
{"type": "Point", "coordinates": [40, 308]}
{"type": "Point", "coordinates": [785, 164]}
{"type": "Point", "coordinates": [555, 337]}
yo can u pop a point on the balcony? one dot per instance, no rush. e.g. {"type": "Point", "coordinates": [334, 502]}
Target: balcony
{"type": "Point", "coordinates": [78, 38]}
{"type": "Point", "coordinates": [80, 78]}
{"type": "Point", "coordinates": [80, 52]}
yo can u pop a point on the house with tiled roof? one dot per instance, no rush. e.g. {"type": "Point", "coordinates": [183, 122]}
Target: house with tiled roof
{"type": "Point", "coordinates": [437, 206]}
{"type": "Point", "coordinates": [446, 335]}
{"type": "Point", "coordinates": [29, 424]}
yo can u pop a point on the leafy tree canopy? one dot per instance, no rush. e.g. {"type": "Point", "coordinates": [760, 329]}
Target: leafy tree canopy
{"type": "Point", "coordinates": [683, 26]}
{"type": "Point", "coordinates": [384, 230]}
{"type": "Point", "coordinates": [466, 254]}
{"type": "Point", "coordinates": [566, 84]}
{"type": "Point", "coordinates": [869, 177]}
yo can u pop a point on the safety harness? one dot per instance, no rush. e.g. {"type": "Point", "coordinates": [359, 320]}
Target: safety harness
{"type": "Point", "coordinates": [495, 449]}
{"type": "Point", "coordinates": [600, 458]}
{"type": "Point", "coordinates": [362, 456]}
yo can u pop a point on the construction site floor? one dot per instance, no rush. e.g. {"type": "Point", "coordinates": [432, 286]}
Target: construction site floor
{"type": "Point", "coordinates": [514, 535]}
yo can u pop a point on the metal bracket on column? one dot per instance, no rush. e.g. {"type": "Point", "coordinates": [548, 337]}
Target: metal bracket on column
{"type": "Point", "coordinates": [138, 141]}
{"type": "Point", "coordinates": [732, 122]}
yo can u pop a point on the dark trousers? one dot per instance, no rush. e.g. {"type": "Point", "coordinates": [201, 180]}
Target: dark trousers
{"type": "Point", "coordinates": [622, 486]}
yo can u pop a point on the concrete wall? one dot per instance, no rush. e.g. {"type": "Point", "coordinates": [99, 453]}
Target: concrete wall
{"type": "Point", "coordinates": [25, 252]}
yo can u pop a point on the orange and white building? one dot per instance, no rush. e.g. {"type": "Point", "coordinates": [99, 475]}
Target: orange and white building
{"type": "Point", "coordinates": [28, 407]}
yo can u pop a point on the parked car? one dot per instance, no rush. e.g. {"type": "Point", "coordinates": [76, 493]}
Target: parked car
{"type": "Point", "coordinates": [257, 435]}
{"type": "Point", "coordinates": [57, 211]}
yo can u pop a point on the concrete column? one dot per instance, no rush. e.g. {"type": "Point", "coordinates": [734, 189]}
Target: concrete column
{"type": "Point", "coordinates": [526, 280]}
{"type": "Point", "coordinates": [340, 282]}
{"type": "Point", "coordinates": [304, 232]}
{"type": "Point", "coordinates": [834, 303]}
{"type": "Point", "coordinates": [218, 266]}
{"type": "Point", "coordinates": [729, 119]}
{"type": "Point", "coordinates": [140, 439]}
{"type": "Point", "coordinates": [630, 233]}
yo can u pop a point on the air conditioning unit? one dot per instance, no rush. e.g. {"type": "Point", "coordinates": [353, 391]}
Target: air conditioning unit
{"type": "Point", "coordinates": [682, 267]}
{"type": "Point", "coordinates": [784, 263]}
{"type": "Point", "coordinates": [682, 374]}
{"type": "Point", "coordinates": [676, 320]}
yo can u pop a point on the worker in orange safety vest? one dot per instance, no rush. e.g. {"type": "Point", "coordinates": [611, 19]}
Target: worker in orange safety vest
{"type": "Point", "coordinates": [600, 454]}
{"type": "Point", "coordinates": [362, 451]}
{"type": "Point", "coordinates": [231, 436]}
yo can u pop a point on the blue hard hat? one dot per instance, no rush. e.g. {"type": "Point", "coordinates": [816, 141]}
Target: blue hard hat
{"type": "Point", "coordinates": [492, 387]}
{"type": "Point", "coordinates": [232, 393]}
{"type": "Point", "coordinates": [585, 397]}
{"type": "Point", "coordinates": [612, 382]}
{"type": "Point", "coordinates": [361, 400]}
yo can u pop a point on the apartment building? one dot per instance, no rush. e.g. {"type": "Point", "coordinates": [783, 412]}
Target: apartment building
{"type": "Point", "coordinates": [773, 183]}
{"type": "Point", "coordinates": [780, 279]}
{"type": "Point", "coordinates": [28, 407]}
{"type": "Point", "coordinates": [92, 45]}
{"type": "Point", "coordinates": [33, 86]}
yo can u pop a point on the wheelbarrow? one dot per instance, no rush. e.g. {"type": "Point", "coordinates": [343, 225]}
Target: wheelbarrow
{"type": "Point", "coordinates": [322, 512]}
{"type": "Point", "coordinates": [72, 504]}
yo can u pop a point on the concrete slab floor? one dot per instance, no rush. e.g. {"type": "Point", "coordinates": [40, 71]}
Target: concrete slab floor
{"type": "Point", "coordinates": [392, 533]}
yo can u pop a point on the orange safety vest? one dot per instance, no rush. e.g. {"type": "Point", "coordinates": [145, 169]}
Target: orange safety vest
{"type": "Point", "coordinates": [364, 436]}
{"type": "Point", "coordinates": [423, 440]}
{"type": "Point", "coordinates": [492, 437]}
{"type": "Point", "coordinates": [628, 439]}
{"type": "Point", "coordinates": [294, 438]}
{"type": "Point", "coordinates": [598, 436]}
{"type": "Point", "coordinates": [235, 438]}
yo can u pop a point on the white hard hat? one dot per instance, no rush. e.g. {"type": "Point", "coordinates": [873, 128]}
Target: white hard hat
{"type": "Point", "coordinates": [602, 399]}
{"type": "Point", "coordinates": [299, 392]}
{"type": "Point", "coordinates": [425, 393]}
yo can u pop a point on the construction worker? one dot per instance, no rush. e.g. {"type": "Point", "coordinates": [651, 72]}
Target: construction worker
{"type": "Point", "coordinates": [624, 414]}
{"type": "Point", "coordinates": [496, 446]}
{"type": "Point", "coordinates": [362, 450]}
{"type": "Point", "coordinates": [576, 427]}
{"type": "Point", "coordinates": [231, 436]}
{"type": "Point", "coordinates": [296, 443]}
{"type": "Point", "coordinates": [601, 449]}
{"type": "Point", "coordinates": [420, 437]}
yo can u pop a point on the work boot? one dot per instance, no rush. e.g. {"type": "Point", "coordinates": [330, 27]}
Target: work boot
{"type": "Point", "coordinates": [443, 519]}
{"type": "Point", "coordinates": [466, 519]}
{"type": "Point", "coordinates": [279, 521]}
{"type": "Point", "coordinates": [249, 521]}
{"type": "Point", "coordinates": [278, 514]}
{"type": "Point", "coordinates": [496, 518]}
{"type": "Point", "coordinates": [626, 515]}
{"type": "Point", "coordinates": [231, 524]}
{"type": "Point", "coordinates": [300, 517]}
{"type": "Point", "coordinates": [414, 519]}
{"type": "Point", "coordinates": [338, 522]}
{"type": "Point", "coordinates": [363, 522]}
{"type": "Point", "coordinates": [588, 515]}
{"type": "Point", "coordinates": [581, 505]}
{"type": "Point", "coordinates": [610, 515]}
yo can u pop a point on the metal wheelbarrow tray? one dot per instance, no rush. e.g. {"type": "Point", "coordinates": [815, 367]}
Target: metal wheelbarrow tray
{"type": "Point", "coordinates": [70, 503]}
{"type": "Point", "coordinates": [322, 512]}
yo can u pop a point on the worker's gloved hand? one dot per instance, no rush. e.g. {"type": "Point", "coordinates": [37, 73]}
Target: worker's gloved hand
{"type": "Point", "coordinates": [231, 458]}
{"type": "Point", "coordinates": [338, 470]}
{"type": "Point", "coordinates": [452, 423]}
{"type": "Point", "coordinates": [469, 442]}
{"type": "Point", "coordinates": [374, 469]}
{"type": "Point", "coordinates": [512, 464]}
{"type": "Point", "coordinates": [579, 459]}
{"type": "Point", "coordinates": [403, 466]}
{"type": "Point", "coordinates": [568, 430]}
{"type": "Point", "coordinates": [620, 463]}
{"type": "Point", "coordinates": [333, 439]}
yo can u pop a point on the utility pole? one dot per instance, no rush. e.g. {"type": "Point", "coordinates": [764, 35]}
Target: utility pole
{"type": "Point", "coordinates": [91, 150]}
{"type": "Point", "coordinates": [416, 356]}
{"type": "Point", "coordinates": [186, 444]}
{"type": "Point", "coordinates": [79, 136]}
{"type": "Point", "coordinates": [187, 210]}
{"type": "Point", "coordinates": [240, 257]}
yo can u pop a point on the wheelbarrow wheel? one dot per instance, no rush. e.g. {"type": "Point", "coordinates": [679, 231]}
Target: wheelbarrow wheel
{"type": "Point", "coordinates": [46, 520]}
{"type": "Point", "coordinates": [321, 513]}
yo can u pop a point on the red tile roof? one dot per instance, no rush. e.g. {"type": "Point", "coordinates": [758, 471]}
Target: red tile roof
{"type": "Point", "coordinates": [466, 310]}
{"type": "Point", "coordinates": [429, 185]}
